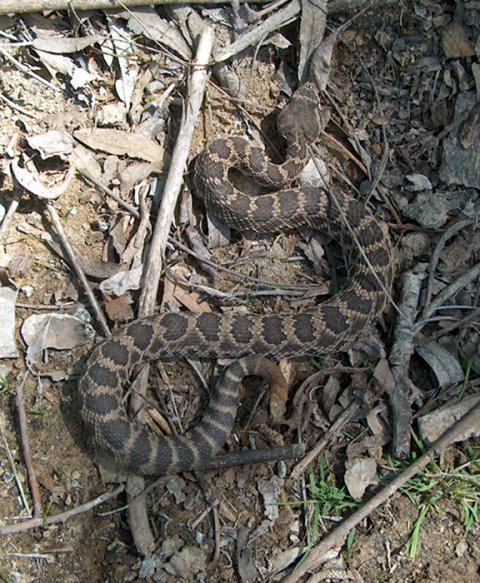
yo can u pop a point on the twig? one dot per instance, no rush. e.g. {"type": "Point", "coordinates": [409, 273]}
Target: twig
{"type": "Point", "coordinates": [344, 417]}
{"type": "Point", "coordinates": [235, 274]}
{"type": "Point", "coordinates": [454, 228]}
{"type": "Point", "coordinates": [9, 214]}
{"type": "Point", "coordinates": [337, 537]}
{"type": "Point", "coordinates": [451, 289]}
{"type": "Point", "coordinates": [16, 107]}
{"type": "Point", "coordinates": [21, 67]}
{"type": "Point", "coordinates": [46, 306]}
{"type": "Point", "coordinates": [407, 327]}
{"type": "Point", "coordinates": [32, 477]}
{"type": "Point", "coordinates": [400, 354]}
{"type": "Point", "coordinates": [63, 516]}
{"type": "Point", "coordinates": [282, 17]}
{"type": "Point", "coordinates": [175, 173]}
{"type": "Point", "coordinates": [259, 31]}
{"type": "Point", "coordinates": [14, 6]}
{"type": "Point", "coordinates": [385, 150]}
{"type": "Point", "coordinates": [57, 223]}
{"type": "Point", "coordinates": [15, 473]}
{"type": "Point", "coordinates": [472, 316]}
{"type": "Point", "coordinates": [113, 195]}
{"type": "Point", "coordinates": [194, 524]}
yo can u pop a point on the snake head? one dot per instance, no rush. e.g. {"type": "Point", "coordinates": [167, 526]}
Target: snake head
{"type": "Point", "coordinates": [301, 116]}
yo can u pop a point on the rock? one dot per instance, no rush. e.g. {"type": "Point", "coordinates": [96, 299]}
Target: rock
{"type": "Point", "coordinates": [461, 165]}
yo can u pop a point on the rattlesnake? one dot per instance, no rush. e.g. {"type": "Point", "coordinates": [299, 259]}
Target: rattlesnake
{"type": "Point", "coordinates": [329, 327]}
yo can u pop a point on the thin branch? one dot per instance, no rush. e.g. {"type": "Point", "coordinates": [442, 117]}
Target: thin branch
{"type": "Point", "coordinates": [57, 223]}
{"type": "Point", "coordinates": [32, 477]}
{"type": "Point", "coordinates": [26, 6]}
{"type": "Point", "coordinates": [400, 354]}
{"type": "Point", "coordinates": [432, 266]}
{"type": "Point", "coordinates": [8, 216]}
{"type": "Point", "coordinates": [22, 67]}
{"type": "Point", "coordinates": [235, 274]}
{"type": "Point", "coordinates": [63, 516]}
{"type": "Point", "coordinates": [15, 473]}
{"type": "Point", "coordinates": [16, 7]}
{"type": "Point", "coordinates": [462, 281]}
{"type": "Point", "coordinates": [335, 428]}
{"type": "Point", "coordinates": [16, 107]}
{"type": "Point", "coordinates": [175, 173]}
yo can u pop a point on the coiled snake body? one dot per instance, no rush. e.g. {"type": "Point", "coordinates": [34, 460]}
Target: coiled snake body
{"type": "Point", "coordinates": [329, 327]}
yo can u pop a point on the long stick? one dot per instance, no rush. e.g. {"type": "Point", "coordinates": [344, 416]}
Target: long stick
{"type": "Point", "coordinates": [17, 7]}
{"type": "Point", "coordinates": [178, 164]}
{"type": "Point", "coordinates": [60, 518]}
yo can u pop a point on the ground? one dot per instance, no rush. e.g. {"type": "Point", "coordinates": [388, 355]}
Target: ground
{"type": "Point", "coordinates": [400, 82]}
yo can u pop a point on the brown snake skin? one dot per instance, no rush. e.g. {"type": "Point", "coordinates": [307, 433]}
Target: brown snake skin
{"type": "Point", "coordinates": [329, 327]}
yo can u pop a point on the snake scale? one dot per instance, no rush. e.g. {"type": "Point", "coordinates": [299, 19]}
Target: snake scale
{"type": "Point", "coordinates": [251, 339]}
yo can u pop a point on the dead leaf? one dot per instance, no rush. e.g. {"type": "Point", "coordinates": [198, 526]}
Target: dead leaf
{"type": "Point", "coordinates": [134, 174]}
{"type": "Point", "coordinates": [445, 365]}
{"type": "Point", "coordinates": [86, 163]}
{"type": "Point", "coordinates": [313, 20]}
{"type": "Point", "coordinates": [359, 474]}
{"type": "Point", "coordinates": [146, 21]}
{"type": "Point", "coordinates": [376, 419]}
{"type": "Point", "coordinates": [60, 45]}
{"type": "Point", "coordinates": [383, 376]}
{"type": "Point", "coordinates": [98, 270]}
{"type": "Point", "coordinates": [468, 131]}
{"type": "Point", "coordinates": [128, 67]}
{"type": "Point", "coordinates": [218, 232]}
{"type": "Point", "coordinates": [455, 41]}
{"type": "Point", "coordinates": [60, 331]}
{"type": "Point", "coordinates": [53, 143]}
{"type": "Point", "coordinates": [187, 297]}
{"type": "Point", "coordinates": [31, 181]}
{"type": "Point", "coordinates": [246, 566]}
{"type": "Point", "coordinates": [322, 60]}
{"type": "Point", "coordinates": [191, 300]}
{"type": "Point", "coordinates": [123, 281]}
{"type": "Point", "coordinates": [120, 309]}
{"type": "Point", "coordinates": [185, 564]}
{"type": "Point", "coordinates": [371, 445]}
{"type": "Point", "coordinates": [122, 143]}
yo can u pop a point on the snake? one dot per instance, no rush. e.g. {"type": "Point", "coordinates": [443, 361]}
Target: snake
{"type": "Point", "coordinates": [253, 341]}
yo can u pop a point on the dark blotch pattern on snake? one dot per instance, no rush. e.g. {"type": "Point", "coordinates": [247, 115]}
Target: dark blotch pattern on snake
{"type": "Point", "coordinates": [329, 327]}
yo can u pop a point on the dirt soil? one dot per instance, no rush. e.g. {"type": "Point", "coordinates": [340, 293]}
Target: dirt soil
{"type": "Point", "coordinates": [400, 80]}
